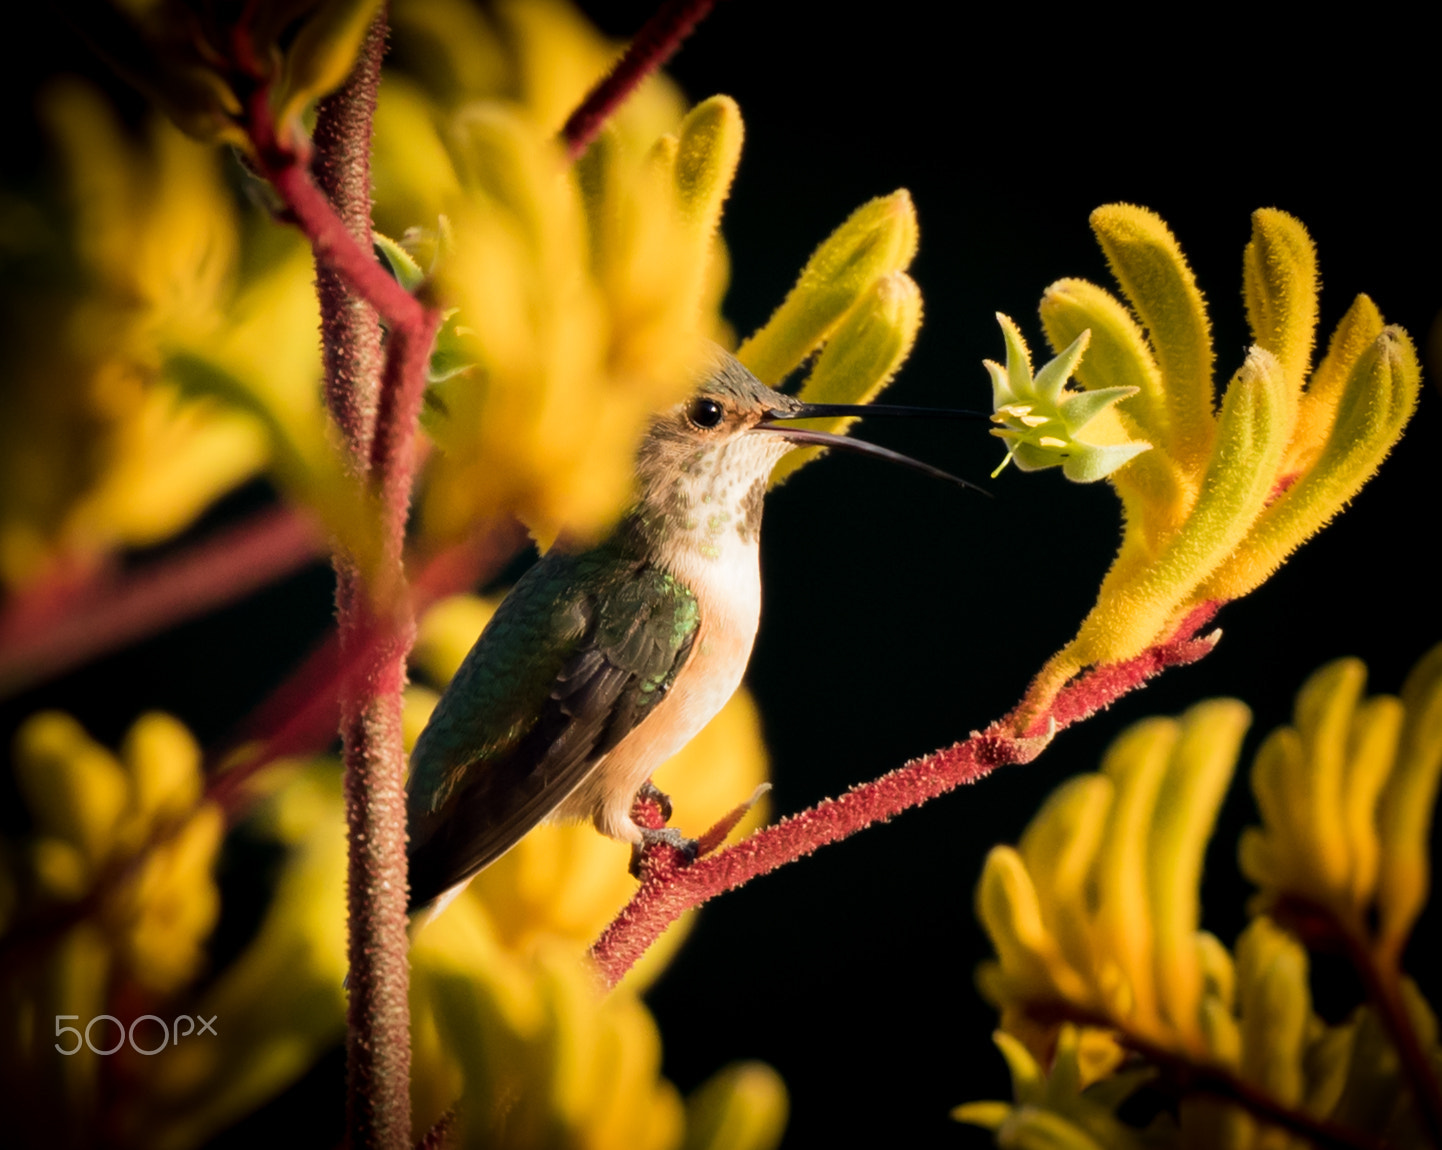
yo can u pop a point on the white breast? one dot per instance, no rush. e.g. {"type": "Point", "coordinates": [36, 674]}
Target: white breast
{"type": "Point", "coordinates": [727, 586]}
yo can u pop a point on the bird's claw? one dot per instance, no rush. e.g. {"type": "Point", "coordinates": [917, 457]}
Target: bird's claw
{"type": "Point", "coordinates": [650, 792]}
{"type": "Point", "coordinates": [671, 837]}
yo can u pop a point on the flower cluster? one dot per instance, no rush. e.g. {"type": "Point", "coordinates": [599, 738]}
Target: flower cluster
{"type": "Point", "coordinates": [109, 899]}
{"type": "Point", "coordinates": [1095, 919]}
{"type": "Point", "coordinates": [99, 448]}
{"type": "Point", "coordinates": [1224, 495]}
{"type": "Point", "coordinates": [1346, 797]}
{"type": "Point", "coordinates": [1042, 420]}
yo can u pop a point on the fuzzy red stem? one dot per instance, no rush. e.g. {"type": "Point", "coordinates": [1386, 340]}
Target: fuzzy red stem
{"type": "Point", "coordinates": [352, 349]}
{"type": "Point", "coordinates": [393, 450]}
{"type": "Point", "coordinates": [109, 613]}
{"type": "Point", "coordinates": [653, 45]}
{"type": "Point", "coordinates": [376, 627]}
{"type": "Point", "coordinates": [669, 888]}
{"type": "Point", "coordinates": [332, 242]}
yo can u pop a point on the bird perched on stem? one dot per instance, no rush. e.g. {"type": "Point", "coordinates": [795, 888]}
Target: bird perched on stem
{"type": "Point", "coordinates": [600, 665]}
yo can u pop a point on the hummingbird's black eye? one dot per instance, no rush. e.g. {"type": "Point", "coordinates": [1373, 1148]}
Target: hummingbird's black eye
{"type": "Point", "coordinates": [705, 412]}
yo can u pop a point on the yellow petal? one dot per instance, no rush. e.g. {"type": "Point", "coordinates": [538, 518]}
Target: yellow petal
{"type": "Point", "coordinates": [1356, 332]}
{"type": "Point", "coordinates": [1186, 811]}
{"type": "Point", "coordinates": [1379, 399]}
{"type": "Point", "coordinates": [1136, 763]}
{"type": "Point", "coordinates": [74, 787]}
{"type": "Point", "coordinates": [860, 357]}
{"type": "Point", "coordinates": [164, 761]}
{"type": "Point", "coordinates": [1159, 285]}
{"type": "Point", "coordinates": [741, 1107]}
{"type": "Point", "coordinates": [1405, 815]}
{"type": "Point", "coordinates": [1279, 284]}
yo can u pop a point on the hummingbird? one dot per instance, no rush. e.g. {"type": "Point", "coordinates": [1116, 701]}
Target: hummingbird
{"type": "Point", "coordinates": [601, 664]}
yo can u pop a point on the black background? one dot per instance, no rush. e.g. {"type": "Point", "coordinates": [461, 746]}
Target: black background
{"type": "Point", "coordinates": [902, 614]}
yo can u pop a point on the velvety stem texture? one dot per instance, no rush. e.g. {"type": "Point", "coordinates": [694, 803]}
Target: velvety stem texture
{"type": "Point", "coordinates": [669, 888]}
{"type": "Point", "coordinates": [378, 1052]}
{"type": "Point", "coordinates": [648, 52]}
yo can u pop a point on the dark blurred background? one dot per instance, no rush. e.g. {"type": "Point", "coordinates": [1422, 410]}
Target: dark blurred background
{"type": "Point", "coordinates": [902, 614]}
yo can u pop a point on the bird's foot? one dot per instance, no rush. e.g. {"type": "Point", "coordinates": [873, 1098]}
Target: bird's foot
{"type": "Point", "coordinates": [668, 836]}
{"type": "Point", "coordinates": [650, 792]}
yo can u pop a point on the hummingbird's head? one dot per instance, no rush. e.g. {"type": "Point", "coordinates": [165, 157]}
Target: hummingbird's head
{"type": "Point", "coordinates": [703, 467]}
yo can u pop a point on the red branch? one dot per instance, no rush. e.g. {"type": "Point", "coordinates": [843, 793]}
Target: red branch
{"type": "Point", "coordinates": [376, 623]}
{"type": "Point", "coordinates": [653, 45]}
{"type": "Point", "coordinates": [403, 390]}
{"type": "Point", "coordinates": [106, 613]}
{"type": "Point", "coordinates": [288, 171]}
{"type": "Point", "coordinates": [669, 887]}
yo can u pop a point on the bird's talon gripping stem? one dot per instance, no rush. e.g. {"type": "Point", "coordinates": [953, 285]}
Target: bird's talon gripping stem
{"type": "Point", "coordinates": [671, 837]}
{"type": "Point", "coordinates": [649, 791]}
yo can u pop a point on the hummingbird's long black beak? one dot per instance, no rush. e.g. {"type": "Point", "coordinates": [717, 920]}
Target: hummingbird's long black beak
{"type": "Point", "coordinates": [885, 410]}
{"type": "Point", "coordinates": [776, 419]}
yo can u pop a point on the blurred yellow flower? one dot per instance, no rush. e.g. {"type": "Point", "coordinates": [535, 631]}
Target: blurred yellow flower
{"type": "Point", "coordinates": [98, 449]}
{"type": "Point", "coordinates": [129, 827]}
{"type": "Point", "coordinates": [1098, 907]}
{"type": "Point", "coordinates": [114, 889]}
{"type": "Point", "coordinates": [1095, 916]}
{"type": "Point", "coordinates": [1346, 797]}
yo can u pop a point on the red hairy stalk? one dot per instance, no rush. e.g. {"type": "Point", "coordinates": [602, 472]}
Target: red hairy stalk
{"type": "Point", "coordinates": [374, 404]}
{"type": "Point", "coordinates": [42, 638]}
{"type": "Point", "coordinates": [653, 45]}
{"type": "Point", "coordinates": [312, 211]}
{"type": "Point", "coordinates": [352, 344]}
{"type": "Point", "coordinates": [670, 888]}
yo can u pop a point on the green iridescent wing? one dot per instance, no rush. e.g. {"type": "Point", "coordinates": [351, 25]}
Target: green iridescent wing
{"type": "Point", "coordinates": [574, 659]}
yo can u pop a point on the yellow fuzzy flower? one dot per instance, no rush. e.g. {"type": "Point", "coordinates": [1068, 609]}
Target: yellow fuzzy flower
{"type": "Point", "coordinates": [1224, 496]}
{"type": "Point", "coordinates": [1346, 796]}
{"type": "Point", "coordinates": [1095, 920]}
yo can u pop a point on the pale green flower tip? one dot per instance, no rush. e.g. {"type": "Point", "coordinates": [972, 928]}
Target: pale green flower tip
{"type": "Point", "coordinates": [1018, 357]}
{"type": "Point", "coordinates": [1001, 393]}
{"type": "Point", "coordinates": [1041, 419]}
{"type": "Point", "coordinates": [1080, 462]}
{"type": "Point", "coordinates": [453, 354]}
{"type": "Point", "coordinates": [401, 264]}
{"type": "Point", "coordinates": [1051, 379]}
{"type": "Point", "coordinates": [1091, 463]}
{"type": "Point", "coordinates": [1079, 408]}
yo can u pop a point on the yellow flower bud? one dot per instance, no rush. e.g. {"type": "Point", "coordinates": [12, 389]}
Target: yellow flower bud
{"type": "Point", "coordinates": [860, 358]}
{"type": "Point", "coordinates": [742, 1107]}
{"type": "Point", "coordinates": [877, 239]}
{"type": "Point", "coordinates": [75, 789]}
